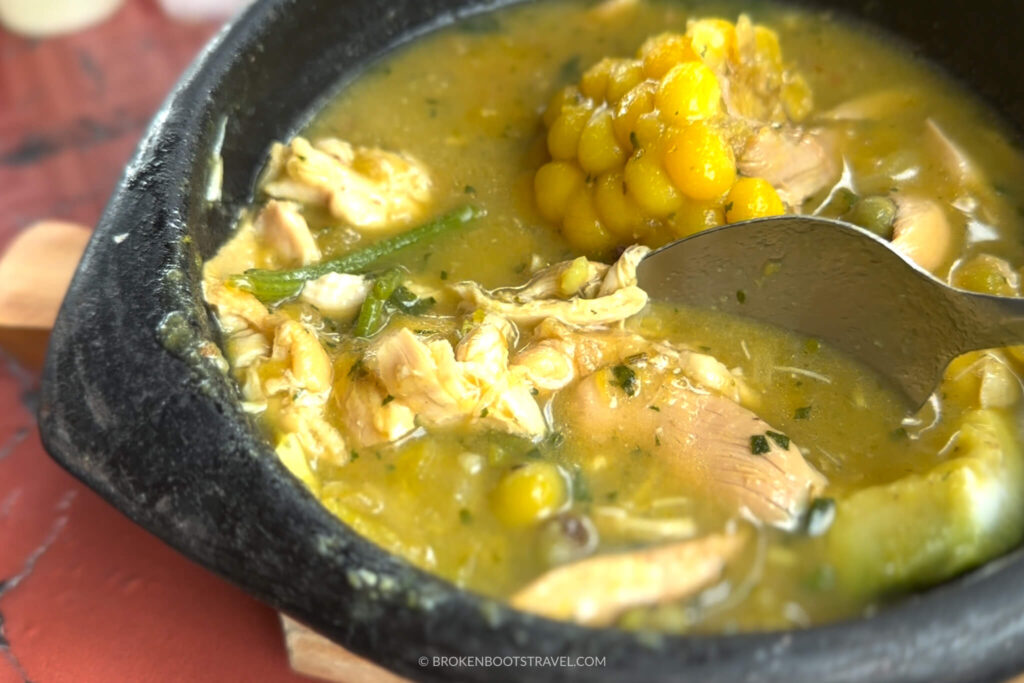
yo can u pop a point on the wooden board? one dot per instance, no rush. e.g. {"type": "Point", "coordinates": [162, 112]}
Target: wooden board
{"type": "Point", "coordinates": [311, 654]}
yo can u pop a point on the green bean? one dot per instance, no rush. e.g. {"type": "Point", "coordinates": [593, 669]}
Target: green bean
{"type": "Point", "coordinates": [371, 317]}
{"type": "Point", "coordinates": [275, 285]}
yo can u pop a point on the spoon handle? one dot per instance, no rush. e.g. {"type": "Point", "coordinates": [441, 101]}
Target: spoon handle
{"type": "Point", "coordinates": [989, 321]}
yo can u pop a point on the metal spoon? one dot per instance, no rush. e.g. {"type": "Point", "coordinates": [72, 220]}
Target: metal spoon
{"type": "Point", "coordinates": [841, 284]}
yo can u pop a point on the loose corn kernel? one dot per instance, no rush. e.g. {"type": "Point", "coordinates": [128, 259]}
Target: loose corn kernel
{"type": "Point", "coordinates": [752, 198]}
{"type": "Point", "coordinates": [713, 39]}
{"type": "Point", "coordinates": [766, 42]}
{"type": "Point", "coordinates": [660, 53]}
{"type": "Point", "coordinates": [650, 186]}
{"type": "Point", "coordinates": [700, 162]}
{"type": "Point", "coordinates": [564, 134]}
{"type": "Point", "coordinates": [638, 101]}
{"type": "Point", "coordinates": [554, 185]}
{"type": "Point", "coordinates": [582, 228]}
{"type": "Point", "coordinates": [625, 75]}
{"type": "Point", "coordinates": [688, 91]}
{"type": "Point", "coordinates": [529, 493]}
{"type": "Point", "coordinates": [567, 96]}
{"type": "Point", "coordinates": [616, 209]}
{"type": "Point", "coordinates": [987, 274]}
{"type": "Point", "coordinates": [599, 149]}
{"type": "Point", "coordinates": [696, 215]}
{"type": "Point", "coordinates": [797, 98]}
{"type": "Point", "coordinates": [594, 82]}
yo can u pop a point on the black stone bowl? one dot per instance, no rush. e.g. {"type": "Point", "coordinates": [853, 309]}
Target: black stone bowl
{"type": "Point", "coordinates": [133, 406]}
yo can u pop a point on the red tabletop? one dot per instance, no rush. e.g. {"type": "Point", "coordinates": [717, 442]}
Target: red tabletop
{"type": "Point", "coordinates": [85, 595]}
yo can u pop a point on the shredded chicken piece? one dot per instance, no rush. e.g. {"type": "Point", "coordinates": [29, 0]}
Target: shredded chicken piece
{"type": "Point", "coordinates": [367, 187]}
{"type": "Point", "coordinates": [309, 365]}
{"type": "Point", "coordinates": [369, 416]}
{"type": "Point", "coordinates": [617, 296]}
{"type": "Point", "coordinates": [319, 439]}
{"type": "Point", "coordinates": [921, 231]}
{"type": "Point", "coordinates": [713, 443]}
{"type": "Point", "coordinates": [473, 381]}
{"type": "Point", "coordinates": [337, 295]}
{"type": "Point", "coordinates": [237, 311]}
{"type": "Point", "coordinates": [596, 590]}
{"type": "Point", "coordinates": [282, 228]}
{"type": "Point", "coordinates": [796, 163]}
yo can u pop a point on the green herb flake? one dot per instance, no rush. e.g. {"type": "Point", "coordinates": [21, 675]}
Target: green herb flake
{"type": "Point", "coordinates": [444, 274]}
{"type": "Point", "coordinates": [625, 378]}
{"type": "Point", "coordinates": [465, 516]}
{"type": "Point", "coordinates": [470, 190]}
{"type": "Point", "coordinates": [387, 399]}
{"type": "Point", "coordinates": [812, 345]}
{"type": "Point", "coordinates": [570, 70]}
{"type": "Point", "coordinates": [654, 408]}
{"type": "Point", "coordinates": [484, 412]}
{"type": "Point", "coordinates": [353, 456]}
{"type": "Point", "coordinates": [802, 413]}
{"type": "Point", "coordinates": [741, 296]}
{"type": "Point", "coordinates": [534, 391]}
{"type": "Point", "coordinates": [728, 207]}
{"type": "Point", "coordinates": [633, 140]}
{"type": "Point", "coordinates": [611, 496]}
{"type": "Point", "coordinates": [781, 439]}
{"type": "Point", "coordinates": [759, 444]}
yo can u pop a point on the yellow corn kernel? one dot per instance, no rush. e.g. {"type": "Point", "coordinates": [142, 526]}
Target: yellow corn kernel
{"type": "Point", "coordinates": [660, 53]}
{"type": "Point", "coordinates": [648, 130]}
{"type": "Point", "coordinates": [595, 79]}
{"type": "Point", "coordinates": [649, 185]}
{"type": "Point", "coordinates": [625, 75]}
{"type": "Point", "coordinates": [567, 96]}
{"type": "Point", "coordinates": [574, 277]}
{"type": "Point", "coordinates": [529, 493]}
{"type": "Point", "coordinates": [713, 39]}
{"type": "Point", "coordinates": [766, 42]}
{"type": "Point", "coordinates": [555, 183]}
{"type": "Point", "coordinates": [564, 134]}
{"type": "Point", "coordinates": [696, 215]}
{"type": "Point", "coordinates": [581, 226]}
{"type": "Point", "coordinates": [797, 98]}
{"type": "Point", "coordinates": [688, 91]}
{"type": "Point", "coordinates": [752, 198]}
{"type": "Point", "coordinates": [616, 209]}
{"type": "Point", "coordinates": [599, 150]}
{"type": "Point", "coordinates": [635, 103]}
{"type": "Point", "coordinates": [700, 162]}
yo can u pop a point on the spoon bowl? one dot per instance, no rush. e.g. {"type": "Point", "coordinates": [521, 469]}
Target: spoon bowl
{"type": "Point", "coordinates": [841, 284]}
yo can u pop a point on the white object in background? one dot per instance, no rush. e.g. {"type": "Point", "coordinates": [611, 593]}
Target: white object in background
{"type": "Point", "coordinates": [41, 18]}
{"type": "Point", "coordinates": [197, 10]}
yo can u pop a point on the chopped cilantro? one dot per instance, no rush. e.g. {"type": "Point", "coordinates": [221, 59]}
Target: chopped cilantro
{"type": "Point", "coordinates": [741, 296]}
{"type": "Point", "coordinates": [759, 444]}
{"type": "Point", "coordinates": [484, 412]}
{"type": "Point", "coordinates": [465, 516]}
{"type": "Point", "coordinates": [626, 379]}
{"type": "Point", "coordinates": [387, 399]}
{"type": "Point", "coordinates": [781, 439]}
{"type": "Point", "coordinates": [802, 413]}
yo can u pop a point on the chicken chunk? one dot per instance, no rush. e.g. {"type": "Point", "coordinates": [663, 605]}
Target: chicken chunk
{"type": "Point", "coordinates": [282, 228]}
{"type": "Point", "coordinates": [368, 188]}
{"type": "Point", "coordinates": [617, 296]}
{"type": "Point", "coordinates": [713, 444]}
{"type": "Point", "coordinates": [921, 231]}
{"type": "Point", "coordinates": [596, 590]}
{"type": "Point", "coordinates": [796, 163]}
{"type": "Point", "coordinates": [472, 381]}
{"type": "Point", "coordinates": [337, 295]}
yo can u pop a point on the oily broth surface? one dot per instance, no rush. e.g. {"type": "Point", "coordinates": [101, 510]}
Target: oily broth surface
{"type": "Point", "coordinates": [467, 103]}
